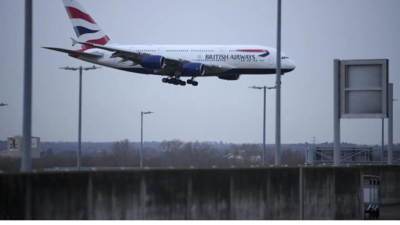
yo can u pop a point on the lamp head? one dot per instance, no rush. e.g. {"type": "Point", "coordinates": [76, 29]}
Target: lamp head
{"type": "Point", "coordinates": [92, 68]}
{"type": "Point", "coordinates": [254, 87]}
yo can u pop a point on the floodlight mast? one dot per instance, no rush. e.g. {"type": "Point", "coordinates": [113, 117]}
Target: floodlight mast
{"type": "Point", "coordinates": [265, 88]}
{"type": "Point", "coordinates": [80, 108]}
{"type": "Point", "coordinates": [26, 162]}
{"type": "Point", "coordinates": [278, 90]}
{"type": "Point", "coordinates": [141, 138]}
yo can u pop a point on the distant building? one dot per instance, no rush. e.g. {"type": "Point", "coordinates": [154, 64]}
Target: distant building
{"type": "Point", "coordinates": [14, 147]}
{"type": "Point", "coordinates": [239, 156]}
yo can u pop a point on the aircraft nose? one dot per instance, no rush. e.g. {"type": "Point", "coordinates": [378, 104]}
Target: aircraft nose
{"type": "Point", "coordinates": [291, 65]}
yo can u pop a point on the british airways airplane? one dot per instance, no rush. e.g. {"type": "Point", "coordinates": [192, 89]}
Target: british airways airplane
{"type": "Point", "coordinates": [226, 62]}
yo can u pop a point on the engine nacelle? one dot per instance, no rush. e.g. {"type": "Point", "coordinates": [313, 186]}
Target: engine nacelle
{"type": "Point", "coordinates": [230, 77]}
{"type": "Point", "coordinates": [152, 62]}
{"type": "Point", "coordinates": [193, 69]}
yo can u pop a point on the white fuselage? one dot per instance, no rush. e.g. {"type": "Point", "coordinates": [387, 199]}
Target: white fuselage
{"type": "Point", "coordinates": [242, 59]}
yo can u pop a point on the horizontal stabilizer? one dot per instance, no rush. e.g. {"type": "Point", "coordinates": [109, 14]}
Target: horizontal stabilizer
{"type": "Point", "coordinates": [73, 52]}
{"type": "Point", "coordinates": [74, 42]}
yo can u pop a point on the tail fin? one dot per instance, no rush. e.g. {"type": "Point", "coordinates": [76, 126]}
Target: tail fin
{"type": "Point", "coordinates": [85, 27]}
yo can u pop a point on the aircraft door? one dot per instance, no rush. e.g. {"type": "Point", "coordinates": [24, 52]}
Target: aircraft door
{"type": "Point", "coordinates": [271, 61]}
{"type": "Point", "coordinates": [160, 50]}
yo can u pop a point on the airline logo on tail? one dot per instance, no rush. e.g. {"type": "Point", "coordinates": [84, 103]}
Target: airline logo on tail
{"type": "Point", "coordinates": [85, 27]}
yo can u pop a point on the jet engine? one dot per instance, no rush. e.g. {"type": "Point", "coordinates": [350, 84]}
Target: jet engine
{"type": "Point", "coordinates": [192, 69]}
{"type": "Point", "coordinates": [230, 77]}
{"type": "Point", "coordinates": [152, 62]}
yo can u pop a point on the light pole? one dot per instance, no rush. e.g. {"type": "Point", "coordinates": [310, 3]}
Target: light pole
{"type": "Point", "coordinates": [265, 91]}
{"type": "Point", "coordinates": [383, 136]}
{"type": "Point", "coordinates": [278, 90]}
{"type": "Point", "coordinates": [26, 163]}
{"type": "Point", "coordinates": [80, 107]}
{"type": "Point", "coordinates": [390, 126]}
{"type": "Point", "coordinates": [141, 138]}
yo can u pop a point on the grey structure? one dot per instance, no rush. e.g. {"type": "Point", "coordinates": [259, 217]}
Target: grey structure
{"type": "Point", "coordinates": [364, 88]}
{"type": "Point", "coordinates": [289, 193]}
{"type": "Point", "coordinates": [15, 147]}
{"type": "Point", "coordinates": [27, 110]}
{"type": "Point", "coordinates": [80, 109]}
{"type": "Point", "coordinates": [355, 155]}
{"type": "Point", "coordinates": [390, 125]}
{"type": "Point", "coordinates": [141, 138]}
{"type": "Point", "coordinates": [360, 91]}
{"type": "Point", "coordinates": [278, 90]}
{"type": "Point", "coordinates": [336, 113]}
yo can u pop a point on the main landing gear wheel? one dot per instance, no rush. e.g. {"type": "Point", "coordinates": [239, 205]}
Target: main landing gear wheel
{"type": "Point", "coordinates": [174, 81]}
{"type": "Point", "coordinates": [192, 82]}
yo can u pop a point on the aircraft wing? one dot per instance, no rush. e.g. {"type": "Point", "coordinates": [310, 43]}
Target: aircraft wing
{"type": "Point", "coordinates": [73, 52]}
{"type": "Point", "coordinates": [135, 57]}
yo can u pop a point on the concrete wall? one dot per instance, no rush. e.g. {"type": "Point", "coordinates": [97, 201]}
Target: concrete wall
{"type": "Point", "coordinates": [332, 193]}
{"type": "Point", "coordinates": [175, 194]}
{"type": "Point", "coordinates": [389, 182]}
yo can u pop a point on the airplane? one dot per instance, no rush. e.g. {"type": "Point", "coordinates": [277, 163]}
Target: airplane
{"type": "Point", "coordinates": [2, 104]}
{"type": "Point", "coordinates": [226, 62]}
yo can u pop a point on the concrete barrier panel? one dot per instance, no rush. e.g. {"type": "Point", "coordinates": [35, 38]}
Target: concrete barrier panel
{"type": "Point", "coordinates": [114, 195]}
{"type": "Point", "coordinates": [175, 194]}
{"type": "Point", "coordinates": [318, 193]}
{"type": "Point", "coordinates": [211, 194]}
{"type": "Point", "coordinates": [13, 193]}
{"type": "Point", "coordinates": [165, 194]}
{"type": "Point", "coordinates": [349, 198]}
{"type": "Point", "coordinates": [332, 193]}
{"type": "Point", "coordinates": [283, 202]}
{"type": "Point", "coordinates": [58, 196]}
{"type": "Point", "coordinates": [390, 185]}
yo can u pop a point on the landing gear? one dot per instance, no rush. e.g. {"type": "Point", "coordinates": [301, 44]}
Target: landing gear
{"type": "Point", "coordinates": [174, 81]}
{"type": "Point", "coordinates": [192, 82]}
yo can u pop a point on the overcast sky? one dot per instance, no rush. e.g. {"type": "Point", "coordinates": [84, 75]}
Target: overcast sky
{"type": "Point", "coordinates": [313, 34]}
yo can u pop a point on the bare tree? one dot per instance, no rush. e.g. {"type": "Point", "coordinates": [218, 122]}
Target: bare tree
{"type": "Point", "coordinates": [170, 151]}
{"type": "Point", "coordinates": [196, 153]}
{"type": "Point", "coordinates": [251, 154]}
{"type": "Point", "coordinates": [292, 157]}
{"type": "Point", "coordinates": [123, 153]}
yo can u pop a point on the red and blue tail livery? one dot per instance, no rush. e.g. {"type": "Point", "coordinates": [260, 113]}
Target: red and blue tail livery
{"type": "Point", "coordinates": [86, 29]}
{"type": "Point", "coordinates": [227, 62]}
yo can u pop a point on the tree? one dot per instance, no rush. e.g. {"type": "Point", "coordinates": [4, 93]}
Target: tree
{"type": "Point", "coordinates": [196, 153]}
{"type": "Point", "coordinates": [123, 153]}
{"type": "Point", "coordinates": [49, 152]}
{"type": "Point", "coordinates": [170, 151]}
